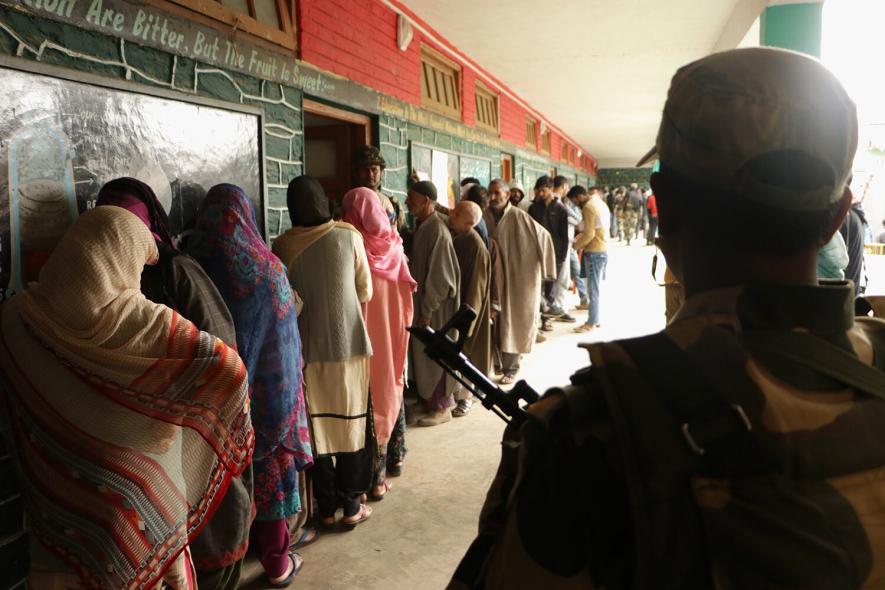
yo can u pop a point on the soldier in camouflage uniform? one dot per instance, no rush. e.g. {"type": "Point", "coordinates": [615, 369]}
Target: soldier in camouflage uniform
{"type": "Point", "coordinates": [620, 197]}
{"type": "Point", "coordinates": [742, 447]}
{"type": "Point", "coordinates": [368, 172]}
{"type": "Point", "coordinates": [632, 207]}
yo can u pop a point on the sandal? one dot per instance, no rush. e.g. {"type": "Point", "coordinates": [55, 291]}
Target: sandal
{"type": "Point", "coordinates": [360, 517]}
{"type": "Point", "coordinates": [584, 328]}
{"type": "Point", "coordinates": [297, 564]}
{"type": "Point", "coordinates": [385, 485]}
{"type": "Point", "coordinates": [508, 379]}
{"type": "Point", "coordinates": [308, 536]}
{"type": "Point", "coordinates": [463, 408]}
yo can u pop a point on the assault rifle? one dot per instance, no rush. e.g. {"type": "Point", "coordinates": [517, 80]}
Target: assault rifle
{"type": "Point", "coordinates": [446, 352]}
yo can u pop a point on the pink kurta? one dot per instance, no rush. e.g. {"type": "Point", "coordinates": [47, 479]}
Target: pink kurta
{"type": "Point", "coordinates": [387, 315]}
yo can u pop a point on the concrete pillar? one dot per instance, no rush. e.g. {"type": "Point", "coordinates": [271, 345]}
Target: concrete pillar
{"type": "Point", "coordinates": [794, 26]}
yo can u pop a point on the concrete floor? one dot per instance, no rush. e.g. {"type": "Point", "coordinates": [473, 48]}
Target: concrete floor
{"type": "Point", "coordinates": [418, 534]}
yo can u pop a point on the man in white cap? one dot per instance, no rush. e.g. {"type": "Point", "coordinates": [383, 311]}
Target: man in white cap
{"type": "Point", "coordinates": [741, 447]}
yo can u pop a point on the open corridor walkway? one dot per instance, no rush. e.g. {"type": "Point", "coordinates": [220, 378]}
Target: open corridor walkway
{"type": "Point", "coordinates": [418, 534]}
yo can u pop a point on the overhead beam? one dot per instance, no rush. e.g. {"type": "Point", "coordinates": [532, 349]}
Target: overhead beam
{"type": "Point", "coordinates": [742, 18]}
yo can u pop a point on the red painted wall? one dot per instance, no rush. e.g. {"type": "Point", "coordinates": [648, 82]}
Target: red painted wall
{"type": "Point", "coordinates": [356, 39]}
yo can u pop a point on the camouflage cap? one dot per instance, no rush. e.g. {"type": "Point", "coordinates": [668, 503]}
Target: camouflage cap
{"type": "Point", "coordinates": [727, 109]}
{"type": "Point", "coordinates": [368, 155]}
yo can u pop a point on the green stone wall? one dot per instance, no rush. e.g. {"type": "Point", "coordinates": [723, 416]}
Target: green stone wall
{"type": "Point", "coordinates": [395, 136]}
{"type": "Point", "coordinates": [623, 176]}
{"type": "Point", "coordinates": [77, 49]}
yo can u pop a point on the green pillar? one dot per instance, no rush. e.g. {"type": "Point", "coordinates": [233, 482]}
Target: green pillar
{"type": "Point", "coordinates": [793, 26]}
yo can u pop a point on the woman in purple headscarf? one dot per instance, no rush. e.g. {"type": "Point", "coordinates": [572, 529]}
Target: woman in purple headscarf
{"type": "Point", "coordinates": [255, 286]}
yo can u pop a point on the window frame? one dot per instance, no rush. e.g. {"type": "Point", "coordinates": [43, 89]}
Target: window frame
{"type": "Point", "coordinates": [220, 15]}
{"type": "Point", "coordinates": [531, 139]}
{"type": "Point", "coordinates": [546, 140]}
{"type": "Point", "coordinates": [435, 60]}
{"type": "Point", "coordinates": [482, 91]}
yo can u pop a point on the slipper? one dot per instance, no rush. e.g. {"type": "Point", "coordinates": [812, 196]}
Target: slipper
{"type": "Point", "coordinates": [297, 564]}
{"type": "Point", "coordinates": [363, 515]}
{"type": "Point", "coordinates": [385, 485]}
{"type": "Point", "coordinates": [584, 328]}
{"type": "Point", "coordinates": [508, 379]}
{"type": "Point", "coordinates": [395, 470]}
{"type": "Point", "coordinates": [308, 536]}
{"type": "Point", "coordinates": [327, 522]}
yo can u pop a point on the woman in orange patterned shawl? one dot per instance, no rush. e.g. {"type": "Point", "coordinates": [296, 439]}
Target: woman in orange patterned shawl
{"type": "Point", "coordinates": [127, 422]}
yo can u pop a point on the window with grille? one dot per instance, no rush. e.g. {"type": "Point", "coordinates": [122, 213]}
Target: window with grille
{"type": "Point", "coordinates": [531, 132]}
{"type": "Point", "coordinates": [268, 19]}
{"type": "Point", "coordinates": [440, 84]}
{"type": "Point", "coordinates": [486, 109]}
{"type": "Point", "coordinates": [545, 142]}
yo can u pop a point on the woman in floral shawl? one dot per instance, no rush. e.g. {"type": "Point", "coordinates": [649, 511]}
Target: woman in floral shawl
{"type": "Point", "coordinates": [255, 286]}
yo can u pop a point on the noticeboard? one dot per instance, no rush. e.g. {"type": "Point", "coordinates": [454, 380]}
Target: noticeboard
{"type": "Point", "coordinates": [61, 140]}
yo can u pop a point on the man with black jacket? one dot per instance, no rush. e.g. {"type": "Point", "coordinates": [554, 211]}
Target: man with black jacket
{"type": "Point", "coordinates": [547, 210]}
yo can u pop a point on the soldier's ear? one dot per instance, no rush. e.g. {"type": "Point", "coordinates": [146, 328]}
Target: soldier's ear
{"type": "Point", "coordinates": [844, 206]}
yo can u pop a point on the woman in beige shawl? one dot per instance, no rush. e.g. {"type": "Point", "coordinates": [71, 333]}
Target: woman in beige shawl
{"type": "Point", "coordinates": [127, 423]}
{"type": "Point", "coordinates": [329, 271]}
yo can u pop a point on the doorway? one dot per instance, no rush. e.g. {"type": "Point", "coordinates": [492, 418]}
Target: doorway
{"type": "Point", "coordinates": [506, 167]}
{"type": "Point", "coordinates": [330, 136]}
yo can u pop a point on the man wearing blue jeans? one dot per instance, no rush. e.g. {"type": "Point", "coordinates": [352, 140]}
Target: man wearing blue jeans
{"type": "Point", "coordinates": [594, 243]}
{"type": "Point", "coordinates": [594, 270]}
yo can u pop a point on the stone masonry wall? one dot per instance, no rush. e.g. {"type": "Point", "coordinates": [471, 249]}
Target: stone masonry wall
{"type": "Point", "coordinates": [76, 49]}
{"type": "Point", "coordinates": [394, 136]}
{"type": "Point", "coordinates": [623, 176]}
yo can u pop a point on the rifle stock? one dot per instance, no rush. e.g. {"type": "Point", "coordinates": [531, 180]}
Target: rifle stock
{"type": "Point", "coordinates": [446, 352]}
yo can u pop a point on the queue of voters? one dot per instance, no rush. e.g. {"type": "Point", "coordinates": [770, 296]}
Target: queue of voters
{"type": "Point", "coordinates": [175, 403]}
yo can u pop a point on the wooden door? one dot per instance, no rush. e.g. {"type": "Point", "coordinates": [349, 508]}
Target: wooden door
{"type": "Point", "coordinates": [327, 153]}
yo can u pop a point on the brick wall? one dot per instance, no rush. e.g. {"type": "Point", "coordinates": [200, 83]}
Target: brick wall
{"type": "Point", "coordinates": [356, 39]}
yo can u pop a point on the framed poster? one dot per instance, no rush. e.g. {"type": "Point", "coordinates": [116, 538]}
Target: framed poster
{"type": "Point", "coordinates": [446, 170]}
{"type": "Point", "coordinates": [62, 139]}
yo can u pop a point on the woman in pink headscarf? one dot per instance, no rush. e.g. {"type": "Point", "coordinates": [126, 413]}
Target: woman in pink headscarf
{"type": "Point", "coordinates": [388, 314]}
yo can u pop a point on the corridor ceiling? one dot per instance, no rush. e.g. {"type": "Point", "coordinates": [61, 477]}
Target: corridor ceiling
{"type": "Point", "coordinates": [597, 69]}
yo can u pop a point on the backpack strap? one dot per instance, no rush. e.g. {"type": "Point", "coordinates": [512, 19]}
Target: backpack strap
{"type": "Point", "coordinates": [713, 427]}
{"type": "Point", "coordinates": [821, 356]}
